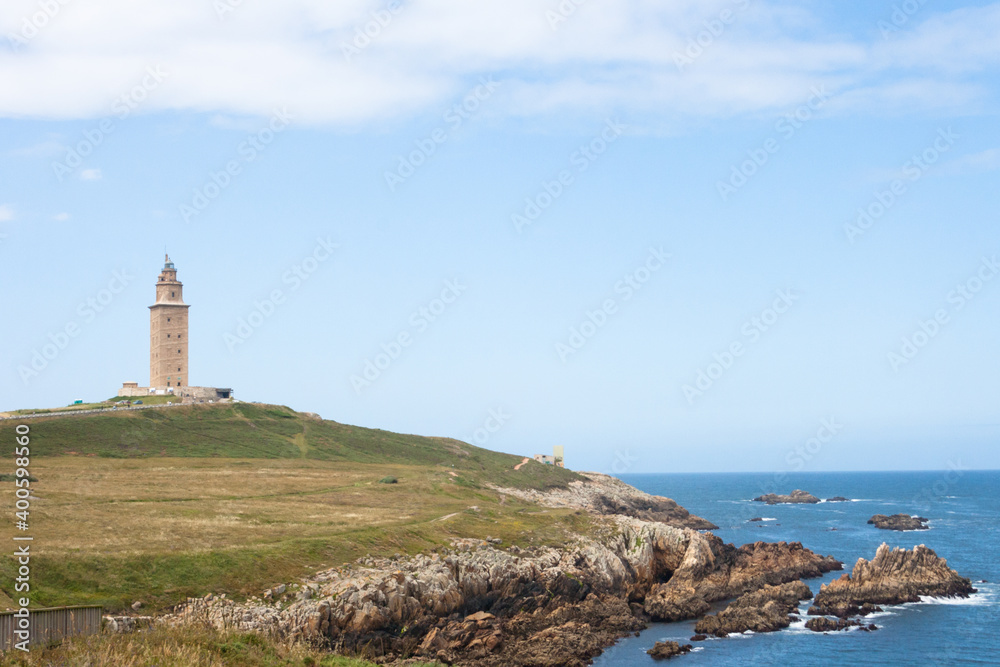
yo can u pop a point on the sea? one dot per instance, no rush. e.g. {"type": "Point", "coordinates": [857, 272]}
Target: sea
{"type": "Point", "coordinates": [964, 512]}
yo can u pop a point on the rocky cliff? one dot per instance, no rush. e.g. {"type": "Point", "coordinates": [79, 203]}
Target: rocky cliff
{"type": "Point", "coordinates": [894, 576]}
{"type": "Point", "coordinates": [603, 494]}
{"type": "Point", "coordinates": [713, 571]}
{"type": "Point", "coordinates": [489, 606]}
{"type": "Point", "coordinates": [766, 610]}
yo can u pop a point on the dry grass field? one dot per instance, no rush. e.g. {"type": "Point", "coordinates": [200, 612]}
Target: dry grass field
{"type": "Point", "coordinates": [110, 531]}
{"type": "Point", "coordinates": [179, 647]}
{"type": "Point", "coordinates": [160, 505]}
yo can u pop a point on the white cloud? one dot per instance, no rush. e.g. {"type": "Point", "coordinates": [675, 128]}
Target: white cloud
{"type": "Point", "coordinates": [91, 175]}
{"type": "Point", "coordinates": [988, 160]}
{"type": "Point", "coordinates": [605, 57]}
{"type": "Point", "coordinates": [61, 217]}
{"type": "Point", "coordinates": [45, 148]}
{"type": "Point", "coordinates": [6, 213]}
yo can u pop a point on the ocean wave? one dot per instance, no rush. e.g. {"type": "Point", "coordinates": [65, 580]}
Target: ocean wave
{"type": "Point", "coordinates": [979, 599]}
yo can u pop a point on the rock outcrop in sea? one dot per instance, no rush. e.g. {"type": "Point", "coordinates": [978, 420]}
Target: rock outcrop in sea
{"type": "Point", "coordinates": [479, 604]}
{"type": "Point", "coordinates": [899, 522]}
{"type": "Point", "coordinates": [824, 624]}
{"type": "Point", "coordinates": [894, 576]}
{"type": "Point", "coordinates": [712, 571]}
{"type": "Point", "coordinates": [667, 650]}
{"type": "Point", "coordinates": [798, 496]}
{"type": "Point", "coordinates": [766, 610]}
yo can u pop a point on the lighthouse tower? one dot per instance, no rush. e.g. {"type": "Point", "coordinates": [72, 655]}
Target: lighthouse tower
{"type": "Point", "coordinates": [168, 332]}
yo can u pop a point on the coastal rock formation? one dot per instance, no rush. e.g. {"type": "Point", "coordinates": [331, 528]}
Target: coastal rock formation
{"type": "Point", "coordinates": [481, 605]}
{"type": "Point", "coordinates": [899, 522]}
{"type": "Point", "coordinates": [824, 624]}
{"type": "Point", "coordinates": [540, 606]}
{"type": "Point", "coordinates": [604, 494]}
{"type": "Point", "coordinates": [838, 499]}
{"type": "Point", "coordinates": [894, 576]}
{"type": "Point", "coordinates": [667, 650]}
{"type": "Point", "coordinates": [713, 571]}
{"type": "Point", "coordinates": [766, 610]}
{"type": "Point", "coordinates": [797, 496]}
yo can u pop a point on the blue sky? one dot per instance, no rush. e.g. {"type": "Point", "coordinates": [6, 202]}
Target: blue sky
{"type": "Point", "coordinates": [684, 236]}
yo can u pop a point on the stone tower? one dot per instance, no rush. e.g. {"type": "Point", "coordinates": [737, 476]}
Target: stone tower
{"type": "Point", "coordinates": [168, 332]}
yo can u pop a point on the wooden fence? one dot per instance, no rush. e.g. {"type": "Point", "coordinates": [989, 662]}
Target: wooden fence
{"type": "Point", "coordinates": [50, 625]}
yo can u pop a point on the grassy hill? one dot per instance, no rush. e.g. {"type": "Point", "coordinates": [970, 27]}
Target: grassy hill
{"type": "Point", "coordinates": [161, 504]}
{"type": "Point", "coordinates": [257, 431]}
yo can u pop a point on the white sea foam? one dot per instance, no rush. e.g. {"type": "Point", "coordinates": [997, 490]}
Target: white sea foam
{"type": "Point", "coordinates": [983, 598]}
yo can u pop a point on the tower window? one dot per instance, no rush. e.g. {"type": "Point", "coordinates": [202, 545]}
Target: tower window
{"type": "Point", "coordinates": [179, 335]}
{"type": "Point", "coordinates": [172, 293]}
{"type": "Point", "coordinates": [168, 335]}
{"type": "Point", "coordinates": [178, 368]}
{"type": "Point", "coordinates": [168, 319]}
{"type": "Point", "coordinates": [178, 351]}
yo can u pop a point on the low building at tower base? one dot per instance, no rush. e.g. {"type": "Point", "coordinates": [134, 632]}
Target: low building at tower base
{"type": "Point", "coordinates": [187, 394]}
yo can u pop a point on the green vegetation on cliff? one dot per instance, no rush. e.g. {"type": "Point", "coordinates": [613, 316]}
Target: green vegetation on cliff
{"type": "Point", "coordinates": [161, 504]}
{"type": "Point", "coordinates": [188, 646]}
{"type": "Point", "coordinates": [256, 431]}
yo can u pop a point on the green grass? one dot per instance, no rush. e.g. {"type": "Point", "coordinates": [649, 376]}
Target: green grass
{"type": "Point", "coordinates": [187, 646]}
{"type": "Point", "coordinates": [161, 580]}
{"type": "Point", "coordinates": [250, 430]}
{"type": "Point", "coordinates": [160, 505]}
{"type": "Point", "coordinates": [148, 400]}
{"type": "Point", "coordinates": [10, 477]}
